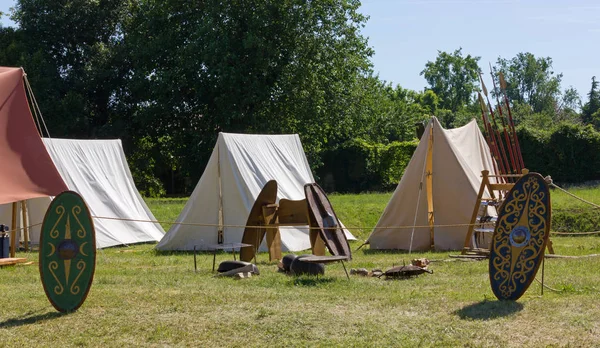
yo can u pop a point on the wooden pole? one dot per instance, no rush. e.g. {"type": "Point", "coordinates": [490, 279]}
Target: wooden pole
{"type": "Point", "coordinates": [510, 119]}
{"type": "Point", "coordinates": [220, 230]}
{"type": "Point", "coordinates": [13, 230]}
{"type": "Point", "coordinates": [484, 184]}
{"type": "Point", "coordinates": [493, 143]}
{"type": "Point", "coordinates": [509, 139]}
{"type": "Point", "coordinates": [429, 180]}
{"type": "Point", "coordinates": [25, 225]}
{"type": "Point", "coordinates": [505, 157]}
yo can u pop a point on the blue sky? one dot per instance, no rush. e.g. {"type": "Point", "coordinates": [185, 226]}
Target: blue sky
{"type": "Point", "coordinates": [407, 33]}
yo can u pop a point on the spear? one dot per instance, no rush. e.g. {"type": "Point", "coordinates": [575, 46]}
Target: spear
{"type": "Point", "coordinates": [498, 137]}
{"type": "Point", "coordinates": [491, 139]}
{"type": "Point", "coordinates": [509, 140]}
{"type": "Point", "coordinates": [512, 123]}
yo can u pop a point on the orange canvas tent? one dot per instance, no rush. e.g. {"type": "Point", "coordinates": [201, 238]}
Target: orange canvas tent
{"type": "Point", "coordinates": [27, 170]}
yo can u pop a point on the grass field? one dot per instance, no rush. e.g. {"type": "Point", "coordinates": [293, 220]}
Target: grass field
{"type": "Point", "coordinates": [144, 298]}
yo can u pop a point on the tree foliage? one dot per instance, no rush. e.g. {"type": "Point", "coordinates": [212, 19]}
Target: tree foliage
{"type": "Point", "coordinates": [591, 108]}
{"type": "Point", "coordinates": [453, 78]}
{"type": "Point", "coordinates": [531, 81]}
{"type": "Point", "coordinates": [246, 66]}
{"type": "Point", "coordinates": [166, 76]}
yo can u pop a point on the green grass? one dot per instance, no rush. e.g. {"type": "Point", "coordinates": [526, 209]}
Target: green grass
{"type": "Point", "coordinates": [143, 298]}
{"type": "Point", "coordinates": [572, 215]}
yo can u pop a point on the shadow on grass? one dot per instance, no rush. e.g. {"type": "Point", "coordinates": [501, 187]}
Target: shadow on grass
{"type": "Point", "coordinates": [487, 310]}
{"type": "Point", "coordinates": [384, 252]}
{"type": "Point", "coordinates": [312, 281]}
{"type": "Point", "coordinates": [29, 318]}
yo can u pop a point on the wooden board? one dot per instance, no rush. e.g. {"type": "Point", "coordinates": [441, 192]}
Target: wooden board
{"type": "Point", "coordinates": [254, 235]}
{"type": "Point", "coordinates": [67, 255]}
{"type": "Point", "coordinates": [322, 216]}
{"type": "Point", "coordinates": [9, 261]}
{"type": "Point", "coordinates": [520, 237]}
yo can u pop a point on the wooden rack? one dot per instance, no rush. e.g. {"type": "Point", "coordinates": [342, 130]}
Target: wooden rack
{"type": "Point", "coordinates": [497, 191]}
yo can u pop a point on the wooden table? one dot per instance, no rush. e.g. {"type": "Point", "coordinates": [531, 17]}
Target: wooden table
{"type": "Point", "coordinates": [327, 259]}
{"type": "Point", "coordinates": [224, 246]}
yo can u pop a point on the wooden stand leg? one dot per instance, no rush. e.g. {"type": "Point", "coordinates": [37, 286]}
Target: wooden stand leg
{"type": "Point", "coordinates": [549, 246]}
{"type": "Point", "coordinates": [316, 243]}
{"type": "Point", "coordinates": [347, 276]}
{"type": "Point", "coordinates": [274, 243]}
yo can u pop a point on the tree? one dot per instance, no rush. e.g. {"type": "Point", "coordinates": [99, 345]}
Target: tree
{"type": "Point", "coordinates": [69, 60]}
{"type": "Point", "coordinates": [532, 81]}
{"type": "Point", "coordinates": [593, 103]}
{"type": "Point", "coordinates": [246, 66]}
{"type": "Point", "coordinates": [453, 78]}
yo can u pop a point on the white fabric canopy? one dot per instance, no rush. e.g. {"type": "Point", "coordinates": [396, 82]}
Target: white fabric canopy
{"type": "Point", "coordinates": [98, 171]}
{"type": "Point", "coordinates": [459, 156]}
{"type": "Point", "coordinates": [240, 165]}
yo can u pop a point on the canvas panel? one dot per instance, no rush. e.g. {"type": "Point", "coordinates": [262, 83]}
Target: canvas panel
{"type": "Point", "coordinates": [27, 170]}
{"type": "Point", "coordinates": [459, 155]}
{"type": "Point", "coordinates": [247, 162]}
{"type": "Point", "coordinates": [455, 187]}
{"type": "Point", "coordinates": [400, 210]}
{"type": "Point", "coordinates": [201, 207]}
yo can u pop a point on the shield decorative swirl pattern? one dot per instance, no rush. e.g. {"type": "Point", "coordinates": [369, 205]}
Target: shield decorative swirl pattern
{"type": "Point", "coordinates": [67, 256]}
{"type": "Point", "coordinates": [520, 237]}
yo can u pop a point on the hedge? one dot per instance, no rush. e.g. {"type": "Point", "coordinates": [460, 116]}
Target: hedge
{"type": "Point", "coordinates": [569, 153]}
{"type": "Point", "coordinates": [360, 166]}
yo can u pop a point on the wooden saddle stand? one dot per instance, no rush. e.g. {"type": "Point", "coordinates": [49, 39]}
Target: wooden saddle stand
{"type": "Point", "coordinates": [266, 216]}
{"type": "Point", "coordinates": [482, 224]}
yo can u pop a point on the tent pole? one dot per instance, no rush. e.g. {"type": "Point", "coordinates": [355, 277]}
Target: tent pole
{"type": "Point", "coordinates": [429, 186]}
{"type": "Point", "coordinates": [13, 230]}
{"type": "Point", "coordinates": [25, 225]}
{"type": "Point", "coordinates": [221, 218]}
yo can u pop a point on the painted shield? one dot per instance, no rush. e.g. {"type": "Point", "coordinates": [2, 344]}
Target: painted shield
{"type": "Point", "coordinates": [328, 225]}
{"type": "Point", "coordinates": [67, 251]}
{"type": "Point", "coordinates": [520, 237]}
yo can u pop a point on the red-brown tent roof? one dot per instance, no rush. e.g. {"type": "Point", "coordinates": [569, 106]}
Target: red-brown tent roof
{"type": "Point", "coordinates": [26, 170]}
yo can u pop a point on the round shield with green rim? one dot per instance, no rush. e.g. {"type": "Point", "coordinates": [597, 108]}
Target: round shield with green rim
{"type": "Point", "coordinates": [67, 257]}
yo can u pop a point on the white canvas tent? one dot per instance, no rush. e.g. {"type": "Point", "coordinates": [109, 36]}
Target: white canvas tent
{"type": "Point", "coordinates": [439, 188]}
{"type": "Point", "coordinates": [239, 167]}
{"type": "Point", "coordinates": [98, 171]}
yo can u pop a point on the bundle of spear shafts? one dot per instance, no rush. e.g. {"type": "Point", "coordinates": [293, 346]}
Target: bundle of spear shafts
{"type": "Point", "coordinates": [503, 142]}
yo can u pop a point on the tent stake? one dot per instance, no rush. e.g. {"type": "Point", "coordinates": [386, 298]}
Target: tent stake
{"type": "Point", "coordinates": [195, 266]}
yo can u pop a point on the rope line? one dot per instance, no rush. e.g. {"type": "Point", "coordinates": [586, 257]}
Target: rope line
{"type": "Point", "coordinates": [549, 288]}
{"type": "Point", "coordinates": [362, 228]}
{"type": "Point", "coordinates": [262, 226]}
{"type": "Point", "coordinates": [36, 106]}
{"type": "Point", "coordinates": [575, 233]}
{"type": "Point", "coordinates": [574, 196]}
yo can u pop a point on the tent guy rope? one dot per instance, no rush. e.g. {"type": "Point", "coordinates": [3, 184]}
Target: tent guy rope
{"type": "Point", "coordinates": [413, 227]}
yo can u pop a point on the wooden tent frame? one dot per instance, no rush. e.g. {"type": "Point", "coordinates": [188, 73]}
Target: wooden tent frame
{"type": "Point", "coordinates": [13, 227]}
{"type": "Point", "coordinates": [501, 187]}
